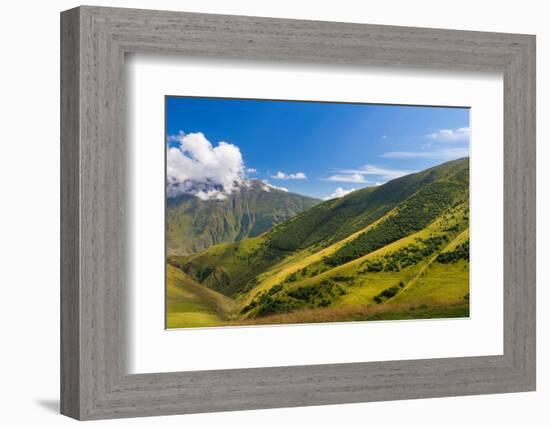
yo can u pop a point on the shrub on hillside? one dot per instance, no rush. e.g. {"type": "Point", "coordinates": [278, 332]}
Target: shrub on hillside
{"type": "Point", "coordinates": [387, 293]}
{"type": "Point", "coordinates": [415, 214]}
{"type": "Point", "coordinates": [462, 251]}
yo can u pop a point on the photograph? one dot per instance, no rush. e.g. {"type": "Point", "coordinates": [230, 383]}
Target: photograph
{"type": "Point", "coordinates": [291, 212]}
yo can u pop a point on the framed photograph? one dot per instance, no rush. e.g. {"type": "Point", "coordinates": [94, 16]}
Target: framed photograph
{"type": "Point", "coordinates": [262, 213]}
{"type": "Point", "coordinates": [328, 239]}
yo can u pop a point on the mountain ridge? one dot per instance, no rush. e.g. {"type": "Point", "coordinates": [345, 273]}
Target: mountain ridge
{"type": "Point", "coordinates": [379, 252]}
{"type": "Point", "coordinates": [193, 224]}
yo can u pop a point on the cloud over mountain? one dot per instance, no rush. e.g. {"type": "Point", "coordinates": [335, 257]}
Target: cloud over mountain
{"type": "Point", "coordinates": [339, 192]}
{"type": "Point", "coordinates": [359, 175]}
{"type": "Point", "coordinates": [268, 186]}
{"type": "Point", "coordinates": [195, 166]}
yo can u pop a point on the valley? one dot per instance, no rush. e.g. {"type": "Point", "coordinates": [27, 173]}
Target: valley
{"type": "Point", "coordinates": [395, 251]}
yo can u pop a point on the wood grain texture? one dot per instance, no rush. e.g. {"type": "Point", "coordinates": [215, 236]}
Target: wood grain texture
{"type": "Point", "coordinates": [70, 221]}
{"type": "Point", "coordinates": [95, 383]}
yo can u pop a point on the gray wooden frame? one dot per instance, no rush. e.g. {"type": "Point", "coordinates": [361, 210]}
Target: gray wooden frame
{"type": "Point", "coordinates": [94, 382]}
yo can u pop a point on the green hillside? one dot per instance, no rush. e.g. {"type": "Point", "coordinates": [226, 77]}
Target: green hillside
{"type": "Point", "coordinates": [193, 225]}
{"type": "Point", "coordinates": [191, 304]}
{"type": "Point", "coordinates": [397, 251]}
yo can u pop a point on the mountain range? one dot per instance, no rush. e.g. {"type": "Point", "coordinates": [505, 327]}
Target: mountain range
{"type": "Point", "coordinates": [193, 224]}
{"type": "Point", "coordinates": [395, 251]}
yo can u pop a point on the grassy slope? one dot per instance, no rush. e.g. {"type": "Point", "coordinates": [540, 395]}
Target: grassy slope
{"type": "Point", "coordinates": [431, 289]}
{"type": "Point", "coordinates": [192, 305]}
{"type": "Point", "coordinates": [365, 286]}
{"type": "Point", "coordinates": [440, 283]}
{"type": "Point", "coordinates": [236, 265]}
{"type": "Point", "coordinates": [256, 267]}
{"type": "Point", "coordinates": [336, 219]}
{"type": "Point", "coordinates": [297, 261]}
{"type": "Point", "coordinates": [226, 268]}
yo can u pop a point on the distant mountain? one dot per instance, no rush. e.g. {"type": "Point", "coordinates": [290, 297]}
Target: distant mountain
{"type": "Point", "coordinates": [193, 225]}
{"type": "Point", "coordinates": [396, 251]}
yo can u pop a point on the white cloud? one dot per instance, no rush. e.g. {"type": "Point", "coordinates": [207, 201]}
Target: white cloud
{"type": "Point", "coordinates": [445, 154]}
{"type": "Point", "coordinates": [210, 194]}
{"type": "Point", "coordinates": [450, 135]}
{"type": "Point", "coordinates": [282, 175]}
{"type": "Point", "coordinates": [358, 175]}
{"type": "Point", "coordinates": [194, 166]}
{"type": "Point", "coordinates": [339, 192]}
{"type": "Point", "coordinates": [251, 170]}
{"type": "Point", "coordinates": [382, 172]}
{"type": "Point", "coordinates": [268, 187]}
{"type": "Point", "coordinates": [347, 177]}
{"type": "Point", "coordinates": [174, 138]}
{"type": "Point", "coordinates": [432, 150]}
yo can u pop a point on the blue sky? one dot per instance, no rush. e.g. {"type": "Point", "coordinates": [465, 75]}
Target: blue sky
{"type": "Point", "coordinates": [309, 148]}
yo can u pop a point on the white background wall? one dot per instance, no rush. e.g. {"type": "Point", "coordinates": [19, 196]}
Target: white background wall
{"type": "Point", "coordinates": [29, 224]}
